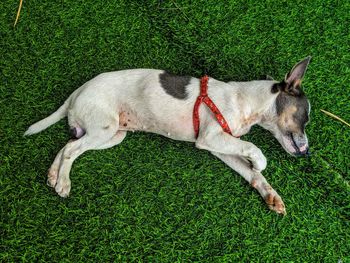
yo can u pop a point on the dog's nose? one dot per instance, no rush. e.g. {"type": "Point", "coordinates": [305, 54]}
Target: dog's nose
{"type": "Point", "coordinates": [306, 152]}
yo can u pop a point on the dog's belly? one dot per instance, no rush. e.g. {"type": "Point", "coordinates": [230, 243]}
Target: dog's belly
{"type": "Point", "coordinates": [179, 129]}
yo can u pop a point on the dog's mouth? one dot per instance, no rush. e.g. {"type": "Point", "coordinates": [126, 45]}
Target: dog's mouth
{"type": "Point", "coordinates": [293, 147]}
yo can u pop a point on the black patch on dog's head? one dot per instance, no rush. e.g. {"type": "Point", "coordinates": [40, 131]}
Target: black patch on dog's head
{"type": "Point", "coordinates": [276, 88]}
{"type": "Point", "coordinates": [174, 85]}
{"type": "Point", "coordinates": [293, 89]}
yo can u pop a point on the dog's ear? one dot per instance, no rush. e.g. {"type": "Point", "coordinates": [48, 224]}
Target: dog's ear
{"type": "Point", "coordinates": [295, 76]}
{"type": "Point", "coordinates": [298, 71]}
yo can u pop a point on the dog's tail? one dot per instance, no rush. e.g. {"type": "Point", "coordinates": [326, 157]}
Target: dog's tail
{"type": "Point", "coordinates": [48, 121]}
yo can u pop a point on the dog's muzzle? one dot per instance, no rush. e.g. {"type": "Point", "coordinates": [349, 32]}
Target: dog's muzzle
{"type": "Point", "coordinates": [300, 145]}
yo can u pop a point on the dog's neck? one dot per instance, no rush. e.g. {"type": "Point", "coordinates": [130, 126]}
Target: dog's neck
{"type": "Point", "coordinates": [259, 98]}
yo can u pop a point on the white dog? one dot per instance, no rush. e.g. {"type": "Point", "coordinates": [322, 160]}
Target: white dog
{"type": "Point", "coordinates": [102, 111]}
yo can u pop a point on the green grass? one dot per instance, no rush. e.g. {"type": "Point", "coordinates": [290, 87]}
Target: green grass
{"type": "Point", "coordinates": [156, 200]}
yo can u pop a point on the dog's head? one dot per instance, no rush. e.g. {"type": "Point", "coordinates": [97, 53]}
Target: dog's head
{"type": "Point", "coordinates": [291, 112]}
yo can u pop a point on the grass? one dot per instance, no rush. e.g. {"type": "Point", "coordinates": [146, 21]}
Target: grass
{"type": "Point", "coordinates": [156, 200]}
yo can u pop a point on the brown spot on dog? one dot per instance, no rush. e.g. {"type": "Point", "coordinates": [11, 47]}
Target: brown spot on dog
{"type": "Point", "coordinates": [122, 117]}
{"type": "Point", "coordinates": [290, 110]}
{"type": "Point", "coordinates": [287, 121]}
{"type": "Point", "coordinates": [269, 199]}
{"type": "Point", "coordinates": [250, 120]}
{"type": "Point", "coordinates": [128, 120]}
{"type": "Point", "coordinates": [254, 183]}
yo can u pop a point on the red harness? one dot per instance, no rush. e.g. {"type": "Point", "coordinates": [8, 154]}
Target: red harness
{"type": "Point", "coordinates": [203, 97]}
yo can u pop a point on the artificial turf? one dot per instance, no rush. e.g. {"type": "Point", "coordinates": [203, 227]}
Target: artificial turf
{"type": "Point", "coordinates": [151, 199]}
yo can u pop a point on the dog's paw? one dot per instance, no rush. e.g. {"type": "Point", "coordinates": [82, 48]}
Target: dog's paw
{"type": "Point", "coordinates": [257, 159]}
{"type": "Point", "coordinates": [275, 203]}
{"type": "Point", "coordinates": [273, 200]}
{"type": "Point", "coordinates": [52, 177]}
{"type": "Point", "coordinates": [62, 188]}
{"type": "Point", "coordinates": [260, 163]}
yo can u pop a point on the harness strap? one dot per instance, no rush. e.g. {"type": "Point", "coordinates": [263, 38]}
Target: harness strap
{"type": "Point", "coordinates": [203, 97]}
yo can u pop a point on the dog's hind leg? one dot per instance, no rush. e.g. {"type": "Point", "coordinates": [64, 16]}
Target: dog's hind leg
{"type": "Point", "coordinates": [98, 136]}
{"type": "Point", "coordinates": [255, 179]}
{"type": "Point", "coordinates": [73, 150]}
{"type": "Point", "coordinates": [53, 171]}
{"type": "Point", "coordinates": [69, 153]}
{"type": "Point", "coordinates": [77, 132]}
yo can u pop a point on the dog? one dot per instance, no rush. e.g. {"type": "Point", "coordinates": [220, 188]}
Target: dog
{"type": "Point", "coordinates": [104, 109]}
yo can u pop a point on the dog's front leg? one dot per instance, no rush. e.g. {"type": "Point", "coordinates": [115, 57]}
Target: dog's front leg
{"type": "Point", "coordinates": [255, 179]}
{"type": "Point", "coordinates": [224, 143]}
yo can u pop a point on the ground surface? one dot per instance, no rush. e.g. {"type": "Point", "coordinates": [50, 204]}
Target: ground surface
{"type": "Point", "coordinates": [153, 199]}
